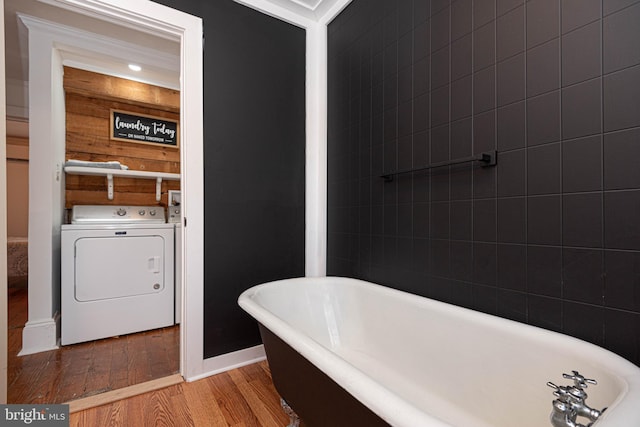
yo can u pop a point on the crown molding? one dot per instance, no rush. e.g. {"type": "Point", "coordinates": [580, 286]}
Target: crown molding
{"type": "Point", "coordinates": [93, 52]}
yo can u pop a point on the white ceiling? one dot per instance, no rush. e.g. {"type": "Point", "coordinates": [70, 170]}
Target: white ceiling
{"type": "Point", "coordinates": [16, 43]}
{"type": "Point", "coordinates": [151, 49]}
{"type": "Point", "coordinates": [293, 10]}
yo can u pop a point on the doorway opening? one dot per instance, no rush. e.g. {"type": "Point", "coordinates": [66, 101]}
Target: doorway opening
{"type": "Point", "coordinates": [108, 14]}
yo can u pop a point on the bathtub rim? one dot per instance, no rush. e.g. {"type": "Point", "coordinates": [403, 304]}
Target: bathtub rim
{"type": "Point", "coordinates": [369, 391]}
{"type": "Point", "coordinates": [357, 383]}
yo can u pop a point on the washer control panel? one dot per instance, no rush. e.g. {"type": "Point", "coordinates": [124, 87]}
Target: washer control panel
{"type": "Point", "coordinates": [105, 214]}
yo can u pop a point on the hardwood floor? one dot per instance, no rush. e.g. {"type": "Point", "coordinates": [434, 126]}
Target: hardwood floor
{"type": "Point", "coordinates": [243, 397]}
{"type": "Point", "coordinates": [85, 369]}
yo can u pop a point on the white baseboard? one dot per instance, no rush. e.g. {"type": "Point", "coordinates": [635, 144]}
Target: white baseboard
{"type": "Point", "coordinates": [39, 336]}
{"type": "Point", "coordinates": [226, 362]}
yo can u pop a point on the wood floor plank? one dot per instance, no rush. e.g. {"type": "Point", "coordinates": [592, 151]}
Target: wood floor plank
{"type": "Point", "coordinates": [46, 388]}
{"type": "Point", "coordinates": [223, 394]}
{"type": "Point", "coordinates": [75, 367]}
{"type": "Point", "coordinates": [161, 411]}
{"type": "Point", "coordinates": [267, 394]}
{"type": "Point", "coordinates": [179, 408]}
{"type": "Point", "coordinates": [226, 399]}
{"type": "Point", "coordinates": [258, 407]}
{"type": "Point", "coordinates": [30, 384]}
{"type": "Point", "coordinates": [231, 402]}
{"type": "Point", "coordinates": [119, 369]}
{"type": "Point", "coordinates": [158, 361]}
{"type": "Point", "coordinates": [134, 408]}
{"type": "Point", "coordinates": [99, 370]}
{"type": "Point", "coordinates": [138, 364]}
{"type": "Point", "coordinates": [83, 369]}
{"type": "Point", "coordinates": [201, 407]}
{"type": "Point", "coordinates": [171, 338]}
{"type": "Point", "coordinates": [110, 415]}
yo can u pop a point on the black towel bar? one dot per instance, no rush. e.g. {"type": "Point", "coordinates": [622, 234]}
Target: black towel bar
{"type": "Point", "coordinates": [488, 158]}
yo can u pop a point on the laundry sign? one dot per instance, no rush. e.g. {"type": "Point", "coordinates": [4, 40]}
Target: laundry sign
{"type": "Point", "coordinates": [132, 127]}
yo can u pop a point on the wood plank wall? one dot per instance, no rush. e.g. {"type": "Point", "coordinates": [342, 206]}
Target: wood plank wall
{"type": "Point", "coordinates": [89, 98]}
{"type": "Point", "coordinates": [17, 140]}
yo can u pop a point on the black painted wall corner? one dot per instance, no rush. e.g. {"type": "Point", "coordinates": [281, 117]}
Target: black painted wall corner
{"type": "Point", "coordinates": [254, 160]}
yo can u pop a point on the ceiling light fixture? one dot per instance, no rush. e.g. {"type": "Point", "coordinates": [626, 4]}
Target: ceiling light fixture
{"type": "Point", "coordinates": [134, 67]}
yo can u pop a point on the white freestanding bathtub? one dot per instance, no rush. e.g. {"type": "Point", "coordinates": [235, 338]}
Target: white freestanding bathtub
{"type": "Point", "coordinates": [412, 361]}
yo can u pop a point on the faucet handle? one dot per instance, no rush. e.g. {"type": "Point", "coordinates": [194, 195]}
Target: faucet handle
{"type": "Point", "coordinates": [560, 391]}
{"type": "Point", "coordinates": [579, 380]}
{"type": "Point", "coordinates": [568, 393]}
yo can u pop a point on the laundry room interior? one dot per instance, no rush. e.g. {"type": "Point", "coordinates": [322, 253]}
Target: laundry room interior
{"type": "Point", "coordinates": [94, 104]}
{"type": "Point", "coordinates": [89, 99]}
{"type": "Point", "coordinates": [146, 352]}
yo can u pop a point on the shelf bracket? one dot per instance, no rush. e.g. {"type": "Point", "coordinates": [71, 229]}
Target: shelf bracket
{"type": "Point", "coordinates": [110, 186]}
{"type": "Point", "coordinates": [110, 173]}
{"type": "Point", "coordinates": [158, 189]}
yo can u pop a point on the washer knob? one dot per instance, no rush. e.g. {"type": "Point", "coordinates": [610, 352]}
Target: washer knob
{"type": "Point", "coordinates": [141, 212]}
{"type": "Point", "coordinates": [121, 212]}
{"type": "Point", "coordinates": [152, 212]}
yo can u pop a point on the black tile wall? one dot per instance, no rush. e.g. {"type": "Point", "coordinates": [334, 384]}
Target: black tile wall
{"type": "Point", "coordinates": [545, 179]}
{"type": "Point", "coordinates": [576, 13]}
{"type": "Point", "coordinates": [511, 80]}
{"type": "Point", "coordinates": [510, 33]}
{"type": "Point", "coordinates": [543, 119]}
{"type": "Point", "coordinates": [512, 214]}
{"type": "Point", "coordinates": [543, 72]}
{"type": "Point", "coordinates": [543, 21]}
{"type": "Point", "coordinates": [622, 99]}
{"type": "Point", "coordinates": [582, 109]}
{"type": "Point", "coordinates": [582, 164]}
{"type": "Point", "coordinates": [581, 54]}
{"type": "Point", "coordinates": [484, 46]}
{"type": "Point", "coordinates": [620, 32]}
{"type": "Point", "coordinates": [620, 151]}
{"type": "Point", "coordinates": [511, 126]}
{"type": "Point", "coordinates": [550, 236]}
{"type": "Point", "coordinates": [512, 173]}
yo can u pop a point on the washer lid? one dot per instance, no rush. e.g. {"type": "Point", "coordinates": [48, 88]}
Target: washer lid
{"type": "Point", "coordinates": [107, 214]}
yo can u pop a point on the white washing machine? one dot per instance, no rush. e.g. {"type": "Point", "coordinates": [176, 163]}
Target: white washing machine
{"type": "Point", "coordinates": [117, 272]}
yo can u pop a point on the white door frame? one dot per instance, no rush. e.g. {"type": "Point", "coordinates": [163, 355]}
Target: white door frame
{"type": "Point", "coordinates": [162, 21]}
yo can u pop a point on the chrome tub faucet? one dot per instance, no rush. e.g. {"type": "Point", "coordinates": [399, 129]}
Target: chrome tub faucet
{"type": "Point", "coordinates": [570, 403]}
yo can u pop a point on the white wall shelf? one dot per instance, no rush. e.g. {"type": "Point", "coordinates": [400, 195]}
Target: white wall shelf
{"type": "Point", "coordinates": [110, 173]}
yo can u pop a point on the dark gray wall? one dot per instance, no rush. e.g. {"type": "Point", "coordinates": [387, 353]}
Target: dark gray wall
{"type": "Point", "coordinates": [551, 235]}
{"type": "Point", "coordinates": [254, 145]}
